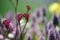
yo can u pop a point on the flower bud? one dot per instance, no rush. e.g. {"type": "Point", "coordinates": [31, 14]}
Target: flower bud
{"type": "Point", "coordinates": [6, 23]}
{"type": "Point", "coordinates": [28, 7]}
{"type": "Point", "coordinates": [19, 16]}
{"type": "Point", "coordinates": [26, 15]}
{"type": "Point", "coordinates": [55, 20]}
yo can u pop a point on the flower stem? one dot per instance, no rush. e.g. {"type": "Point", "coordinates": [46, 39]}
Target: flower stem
{"type": "Point", "coordinates": [21, 35]}
{"type": "Point", "coordinates": [16, 20]}
{"type": "Point", "coordinates": [24, 27]}
{"type": "Point", "coordinates": [20, 26]}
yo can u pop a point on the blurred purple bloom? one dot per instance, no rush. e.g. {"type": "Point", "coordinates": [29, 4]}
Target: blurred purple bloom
{"type": "Point", "coordinates": [33, 19]}
{"type": "Point", "coordinates": [55, 20]}
{"type": "Point", "coordinates": [28, 36]}
{"type": "Point", "coordinates": [37, 12]}
{"type": "Point", "coordinates": [9, 16]}
{"type": "Point", "coordinates": [53, 34]}
{"type": "Point", "coordinates": [48, 26]}
{"type": "Point", "coordinates": [1, 37]}
{"type": "Point", "coordinates": [41, 36]}
{"type": "Point", "coordinates": [44, 10]}
{"type": "Point", "coordinates": [12, 27]}
{"type": "Point", "coordinates": [32, 24]}
{"type": "Point", "coordinates": [42, 20]}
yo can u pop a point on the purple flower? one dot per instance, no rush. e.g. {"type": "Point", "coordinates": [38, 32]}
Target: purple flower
{"type": "Point", "coordinates": [53, 34]}
{"type": "Point", "coordinates": [48, 26]}
{"type": "Point", "coordinates": [28, 36]}
{"type": "Point", "coordinates": [37, 12]}
{"type": "Point", "coordinates": [12, 27]}
{"type": "Point", "coordinates": [44, 8]}
{"type": "Point", "coordinates": [33, 19]}
{"type": "Point", "coordinates": [55, 20]}
{"type": "Point", "coordinates": [1, 37]}
{"type": "Point", "coordinates": [41, 36]}
{"type": "Point", "coordinates": [32, 24]}
{"type": "Point", "coordinates": [42, 20]}
{"type": "Point", "coordinates": [9, 16]}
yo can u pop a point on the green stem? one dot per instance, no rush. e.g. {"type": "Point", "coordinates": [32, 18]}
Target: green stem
{"type": "Point", "coordinates": [15, 17]}
{"type": "Point", "coordinates": [16, 21]}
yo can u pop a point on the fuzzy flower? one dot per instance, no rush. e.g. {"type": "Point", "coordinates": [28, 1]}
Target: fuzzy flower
{"type": "Point", "coordinates": [1, 37]}
{"type": "Point", "coordinates": [28, 36]}
{"type": "Point", "coordinates": [53, 34]}
{"type": "Point", "coordinates": [55, 20]}
{"type": "Point", "coordinates": [28, 7]}
{"type": "Point", "coordinates": [55, 7]}
{"type": "Point", "coordinates": [33, 18]}
{"type": "Point", "coordinates": [48, 26]}
{"type": "Point", "coordinates": [9, 16]}
{"type": "Point", "coordinates": [19, 16]}
{"type": "Point", "coordinates": [6, 23]}
{"type": "Point", "coordinates": [42, 19]}
{"type": "Point", "coordinates": [26, 15]}
{"type": "Point", "coordinates": [32, 24]}
{"type": "Point", "coordinates": [12, 27]}
{"type": "Point", "coordinates": [44, 8]}
{"type": "Point", "coordinates": [37, 12]}
{"type": "Point", "coordinates": [40, 36]}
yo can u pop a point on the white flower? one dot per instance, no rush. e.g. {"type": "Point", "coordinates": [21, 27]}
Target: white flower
{"type": "Point", "coordinates": [11, 35]}
{"type": "Point", "coordinates": [22, 21]}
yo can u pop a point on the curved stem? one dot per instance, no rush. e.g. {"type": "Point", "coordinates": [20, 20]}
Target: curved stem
{"type": "Point", "coordinates": [24, 27]}
{"type": "Point", "coordinates": [21, 35]}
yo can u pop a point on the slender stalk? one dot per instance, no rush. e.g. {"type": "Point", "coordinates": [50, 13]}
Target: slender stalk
{"type": "Point", "coordinates": [20, 26]}
{"type": "Point", "coordinates": [21, 35]}
{"type": "Point", "coordinates": [24, 27]}
{"type": "Point", "coordinates": [16, 21]}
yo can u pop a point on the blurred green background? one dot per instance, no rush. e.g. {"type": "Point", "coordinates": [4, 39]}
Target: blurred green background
{"type": "Point", "coordinates": [6, 6]}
